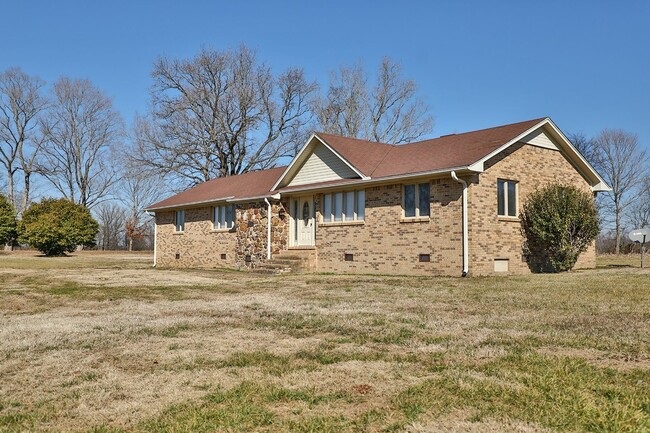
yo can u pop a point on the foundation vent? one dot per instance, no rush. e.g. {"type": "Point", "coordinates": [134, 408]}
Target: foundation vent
{"type": "Point", "coordinates": [425, 258]}
{"type": "Point", "coordinates": [349, 257]}
{"type": "Point", "coordinates": [501, 265]}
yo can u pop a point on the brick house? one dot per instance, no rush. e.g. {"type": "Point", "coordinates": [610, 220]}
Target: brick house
{"type": "Point", "coordinates": [445, 206]}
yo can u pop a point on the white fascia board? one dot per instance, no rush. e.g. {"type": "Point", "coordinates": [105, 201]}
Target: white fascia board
{"type": "Point", "coordinates": [602, 184]}
{"type": "Point", "coordinates": [601, 187]}
{"type": "Point", "coordinates": [376, 180]}
{"type": "Point", "coordinates": [275, 196]}
{"type": "Point", "coordinates": [479, 165]}
{"type": "Point", "coordinates": [190, 204]}
{"type": "Point", "coordinates": [300, 154]}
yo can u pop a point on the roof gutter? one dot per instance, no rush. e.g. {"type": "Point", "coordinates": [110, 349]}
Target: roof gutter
{"type": "Point", "coordinates": [465, 225]}
{"type": "Point", "coordinates": [230, 199]}
{"type": "Point", "coordinates": [347, 182]}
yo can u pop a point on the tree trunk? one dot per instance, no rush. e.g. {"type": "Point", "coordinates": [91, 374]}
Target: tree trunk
{"type": "Point", "coordinates": [10, 187]}
{"type": "Point", "coordinates": [618, 231]}
{"type": "Point", "coordinates": [26, 192]}
{"type": "Point", "coordinates": [130, 243]}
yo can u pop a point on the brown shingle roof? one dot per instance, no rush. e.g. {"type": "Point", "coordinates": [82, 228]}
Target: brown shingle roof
{"type": "Point", "coordinates": [449, 151]}
{"type": "Point", "coordinates": [372, 159]}
{"type": "Point", "coordinates": [364, 155]}
{"type": "Point", "coordinates": [252, 184]}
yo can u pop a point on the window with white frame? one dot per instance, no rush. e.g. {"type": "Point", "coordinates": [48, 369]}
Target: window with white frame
{"type": "Point", "coordinates": [506, 198]}
{"type": "Point", "coordinates": [179, 220]}
{"type": "Point", "coordinates": [415, 202]}
{"type": "Point", "coordinates": [223, 217]}
{"type": "Point", "coordinates": [346, 206]}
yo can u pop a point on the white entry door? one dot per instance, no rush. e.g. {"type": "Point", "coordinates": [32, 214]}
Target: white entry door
{"type": "Point", "coordinates": [303, 219]}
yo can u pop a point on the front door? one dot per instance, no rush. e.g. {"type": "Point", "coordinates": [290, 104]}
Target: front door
{"type": "Point", "coordinates": [303, 219]}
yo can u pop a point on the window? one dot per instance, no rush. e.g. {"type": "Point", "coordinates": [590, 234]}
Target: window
{"type": "Point", "coordinates": [349, 206]}
{"type": "Point", "coordinates": [506, 198]}
{"type": "Point", "coordinates": [223, 217]}
{"type": "Point", "coordinates": [179, 220]}
{"type": "Point", "coordinates": [346, 206]}
{"type": "Point", "coordinates": [416, 200]}
{"type": "Point", "coordinates": [338, 207]}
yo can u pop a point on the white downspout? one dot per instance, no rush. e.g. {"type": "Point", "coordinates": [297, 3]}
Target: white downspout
{"type": "Point", "coordinates": [155, 236]}
{"type": "Point", "coordinates": [465, 225]}
{"type": "Point", "coordinates": [268, 228]}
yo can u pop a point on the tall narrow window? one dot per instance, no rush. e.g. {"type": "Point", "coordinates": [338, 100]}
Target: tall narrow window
{"type": "Point", "coordinates": [223, 217]}
{"type": "Point", "coordinates": [338, 206]}
{"type": "Point", "coordinates": [230, 216]}
{"type": "Point", "coordinates": [506, 198]}
{"type": "Point", "coordinates": [346, 206]}
{"type": "Point", "coordinates": [501, 197]}
{"type": "Point", "coordinates": [180, 220]}
{"type": "Point", "coordinates": [409, 201]}
{"type": "Point", "coordinates": [327, 207]}
{"type": "Point", "coordinates": [361, 205]}
{"type": "Point", "coordinates": [423, 199]}
{"type": "Point", "coordinates": [349, 206]}
{"type": "Point", "coordinates": [416, 200]}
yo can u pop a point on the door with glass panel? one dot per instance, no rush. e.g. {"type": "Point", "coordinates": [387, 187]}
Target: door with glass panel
{"type": "Point", "coordinates": [303, 230]}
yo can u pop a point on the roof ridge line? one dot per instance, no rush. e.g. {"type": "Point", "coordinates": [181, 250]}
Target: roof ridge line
{"type": "Point", "coordinates": [539, 119]}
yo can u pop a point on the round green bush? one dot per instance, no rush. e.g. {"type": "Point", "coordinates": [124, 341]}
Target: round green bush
{"type": "Point", "coordinates": [558, 222]}
{"type": "Point", "coordinates": [57, 226]}
{"type": "Point", "coordinates": [7, 221]}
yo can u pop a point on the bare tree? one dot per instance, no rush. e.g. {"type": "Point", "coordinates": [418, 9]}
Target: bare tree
{"type": "Point", "coordinates": [388, 111]}
{"type": "Point", "coordinates": [21, 102]}
{"type": "Point", "coordinates": [639, 213]}
{"type": "Point", "coordinates": [111, 218]}
{"type": "Point", "coordinates": [583, 144]}
{"type": "Point", "coordinates": [621, 161]}
{"type": "Point", "coordinates": [81, 132]}
{"type": "Point", "coordinates": [137, 190]}
{"type": "Point", "coordinates": [345, 108]}
{"type": "Point", "coordinates": [220, 114]}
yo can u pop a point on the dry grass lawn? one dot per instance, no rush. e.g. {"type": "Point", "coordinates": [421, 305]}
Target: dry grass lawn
{"type": "Point", "coordinates": [104, 343]}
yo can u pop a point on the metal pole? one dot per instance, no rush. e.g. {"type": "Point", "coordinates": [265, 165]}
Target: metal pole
{"type": "Point", "coordinates": [642, 249]}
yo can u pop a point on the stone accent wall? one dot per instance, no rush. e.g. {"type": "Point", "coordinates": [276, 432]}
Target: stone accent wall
{"type": "Point", "coordinates": [200, 246]}
{"type": "Point", "coordinates": [251, 232]}
{"type": "Point", "coordinates": [492, 237]}
{"type": "Point", "coordinates": [386, 244]}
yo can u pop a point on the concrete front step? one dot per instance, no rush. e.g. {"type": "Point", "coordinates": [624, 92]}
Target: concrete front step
{"type": "Point", "coordinates": [285, 262]}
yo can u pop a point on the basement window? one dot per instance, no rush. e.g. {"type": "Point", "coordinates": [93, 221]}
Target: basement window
{"type": "Point", "coordinates": [425, 257]}
{"type": "Point", "coordinates": [223, 256]}
{"type": "Point", "coordinates": [349, 257]}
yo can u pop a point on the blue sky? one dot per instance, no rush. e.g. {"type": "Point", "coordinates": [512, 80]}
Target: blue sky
{"type": "Point", "coordinates": [479, 64]}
